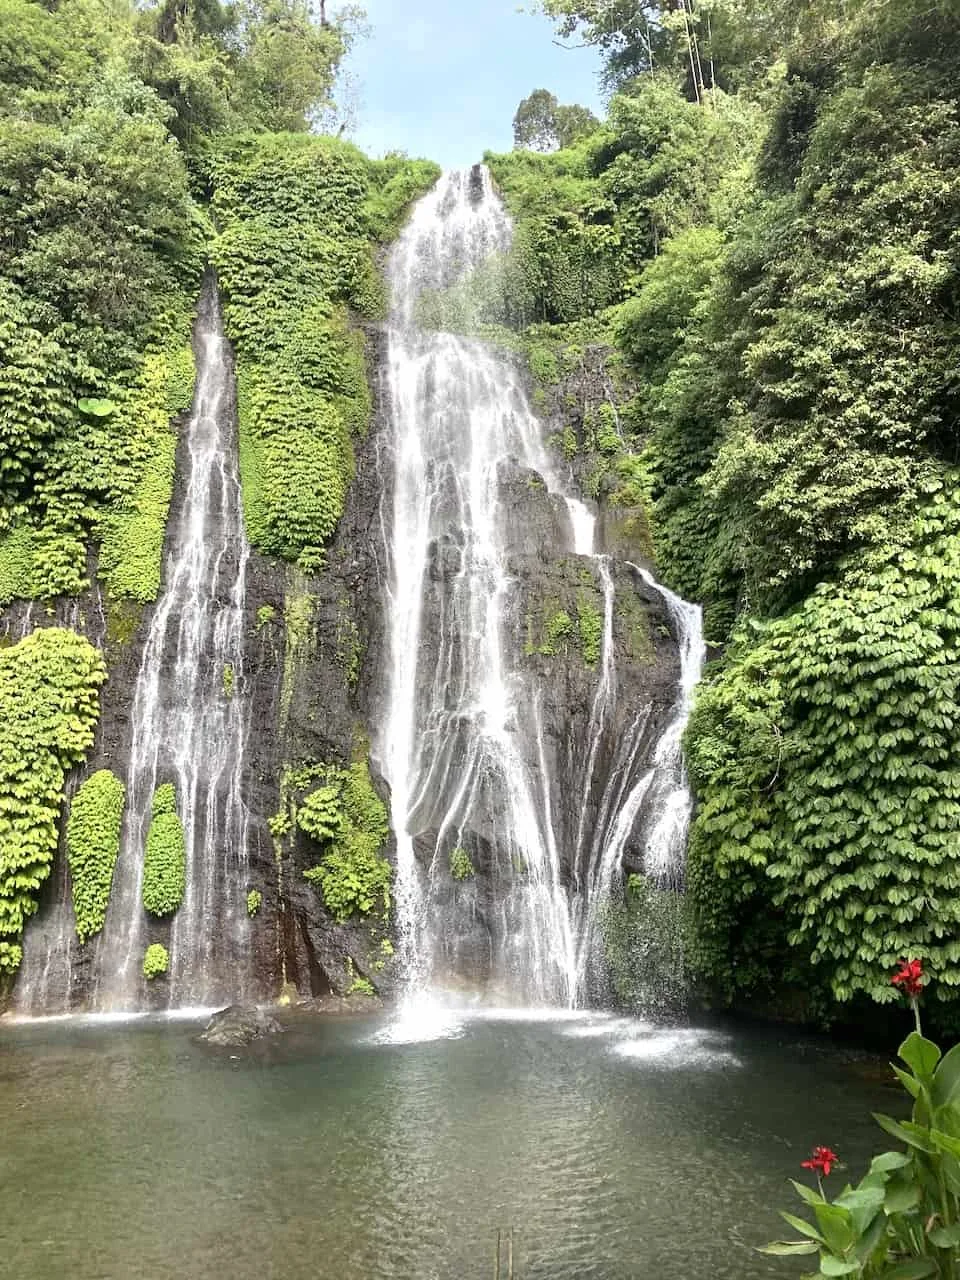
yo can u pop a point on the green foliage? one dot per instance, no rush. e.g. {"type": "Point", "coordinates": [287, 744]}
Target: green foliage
{"type": "Point", "coordinates": [265, 615]}
{"type": "Point", "coordinates": [165, 859]}
{"type": "Point", "coordinates": [156, 961]}
{"type": "Point", "coordinates": [825, 761]}
{"type": "Point", "coordinates": [590, 629]}
{"type": "Point", "coordinates": [93, 845]}
{"type": "Point", "coordinates": [49, 707]}
{"type": "Point", "coordinates": [902, 1220]}
{"type": "Point", "coordinates": [254, 902]}
{"type": "Point", "coordinates": [461, 866]}
{"type": "Point", "coordinates": [298, 215]}
{"type": "Point", "coordinates": [348, 819]}
{"type": "Point", "coordinates": [229, 678]}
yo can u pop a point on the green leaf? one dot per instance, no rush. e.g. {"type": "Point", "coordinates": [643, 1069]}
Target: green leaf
{"type": "Point", "coordinates": [785, 1248]}
{"type": "Point", "coordinates": [809, 1194]}
{"type": "Point", "coordinates": [837, 1227]}
{"type": "Point", "coordinates": [903, 1193]}
{"type": "Point", "coordinates": [920, 1055]}
{"type": "Point", "coordinates": [913, 1135]}
{"type": "Point", "coordinates": [833, 1266]}
{"type": "Point", "coordinates": [805, 1228]}
{"type": "Point", "coordinates": [946, 1081]}
{"type": "Point", "coordinates": [916, 1269]}
{"type": "Point", "coordinates": [945, 1237]}
{"type": "Point", "coordinates": [889, 1161]}
{"type": "Point", "coordinates": [97, 408]}
{"type": "Point", "coordinates": [909, 1082]}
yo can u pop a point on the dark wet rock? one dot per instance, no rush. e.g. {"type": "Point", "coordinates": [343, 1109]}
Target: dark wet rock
{"type": "Point", "coordinates": [239, 1025]}
{"type": "Point", "coordinates": [342, 1006]}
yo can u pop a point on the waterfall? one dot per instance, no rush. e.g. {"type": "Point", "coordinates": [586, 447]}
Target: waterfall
{"type": "Point", "coordinates": [188, 725]}
{"type": "Point", "coordinates": [190, 719]}
{"type": "Point", "coordinates": [462, 741]}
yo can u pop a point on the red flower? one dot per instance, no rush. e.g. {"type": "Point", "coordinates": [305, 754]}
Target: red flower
{"type": "Point", "coordinates": [909, 978]}
{"type": "Point", "coordinates": [823, 1160]}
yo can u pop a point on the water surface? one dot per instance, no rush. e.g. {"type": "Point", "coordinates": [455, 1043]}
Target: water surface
{"type": "Point", "coordinates": [353, 1150]}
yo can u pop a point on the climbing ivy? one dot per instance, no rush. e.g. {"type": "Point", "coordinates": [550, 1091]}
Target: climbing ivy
{"type": "Point", "coordinates": [347, 817]}
{"type": "Point", "coordinates": [165, 860]}
{"type": "Point", "coordinates": [93, 845]}
{"type": "Point", "coordinates": [826, 761]}
{"type": "Point", "coordinates": [49, 706]}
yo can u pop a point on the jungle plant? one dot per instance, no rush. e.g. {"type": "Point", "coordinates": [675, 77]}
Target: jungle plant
{"type": "Point", "coordinates": [49, 706]}
{"type": "Point", "coordinates": [165, 860]}
{"type": "Point", "coordinates": [348, 819]}
{"type": "Point", "coordinates": [156, 961]}
{"type": "Point", "coordinates": [93, 844]}
{"type": "Point", "coordinates": [254, 902]}
{"type": "Point", "coordinates": [461, 867]}
{"type": "Point", "coordinates": [902, 1220]}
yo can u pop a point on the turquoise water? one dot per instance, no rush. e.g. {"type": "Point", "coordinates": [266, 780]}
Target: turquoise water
{"type": "Point", "coordinates": [348, 1150]}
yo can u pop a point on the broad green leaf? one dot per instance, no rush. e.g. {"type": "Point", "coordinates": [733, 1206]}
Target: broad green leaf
{"type": "Point", "coordinates": [944, 1142]}
{"type": "Point", "coordinates": [837, 1227]}
{"type": "Point", "coordinates": [784, 1248]}
{"type": "Point", "coordinates": [903, 1193]}
{"type": "Point", "coordinates": [945, 1237]}
{"type": "Point", "coordinates": [805, 1228]}
{"type": "Point", "coordinates": [916, 1269]}
{"type": "Point", "coordinates": [913, 1135]}
{"type": "Point", "coordinates": [97, 408]}
{"type": "Point", "coordinates": [833, 1266]}
{"type": "Point", "coordinates": [909, 1082]}
{"type": "Point", "coordinates": [920, 1055]}
{"type": "Point", "coordinates": [946, 1081]}
{"type": "Point", "coordinates": [888, 1161]}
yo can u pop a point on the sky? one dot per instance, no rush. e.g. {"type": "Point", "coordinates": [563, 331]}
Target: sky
{"type": "Point", "coordinates": [443, 78]}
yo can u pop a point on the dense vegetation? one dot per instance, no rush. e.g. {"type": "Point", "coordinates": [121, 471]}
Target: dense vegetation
{"type": "Point", "coordinates": [93, 845]}
{"type": "Point", "coordinates": [165, 857]}
{"type": "Point", "coordinates": [760, 242]}
{"type": "Point", "coordinates": [49, 705]}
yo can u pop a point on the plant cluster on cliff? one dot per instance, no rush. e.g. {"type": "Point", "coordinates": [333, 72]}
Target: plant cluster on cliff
{"type": "Point", "coordinates": [347, 818]}
{"type": "Point", "coordinates": [165, 856]}
{"type": "Point", "coordinates": [765, 231]}
{"type": "Point", "coordinates": [93, 845]}
{"type": "Point", "coordinates": [49, 706]}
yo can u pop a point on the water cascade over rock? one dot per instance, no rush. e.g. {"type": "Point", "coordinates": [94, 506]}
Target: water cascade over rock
{"type": "Point", "coordinates": [533, 703]}
{"type": "Point", "coordinates": [189, 723]}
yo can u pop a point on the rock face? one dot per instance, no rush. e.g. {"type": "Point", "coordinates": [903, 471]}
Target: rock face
{"type": "Point", "coordinates": [315, 663]}
{"type": "Point", "coordinates": [238, 1025]}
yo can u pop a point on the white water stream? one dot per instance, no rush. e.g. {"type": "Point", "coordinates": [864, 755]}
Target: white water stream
{"type": "Point", "coordinates": [462, 737]}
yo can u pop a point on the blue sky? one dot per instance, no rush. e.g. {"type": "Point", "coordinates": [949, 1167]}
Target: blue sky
{"type": "Point", "coordinates": [442, 78]}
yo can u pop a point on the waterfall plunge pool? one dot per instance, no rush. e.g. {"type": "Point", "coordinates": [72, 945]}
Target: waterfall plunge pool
{"type": "Point", "coordinates": [352, 1150]}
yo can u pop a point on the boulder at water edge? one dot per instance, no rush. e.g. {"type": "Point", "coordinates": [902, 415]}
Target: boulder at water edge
{"type": "Point", "coordinates": [239, 1024]}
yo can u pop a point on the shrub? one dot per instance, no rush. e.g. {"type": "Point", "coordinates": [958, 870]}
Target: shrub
{"type": "Point", "coordinates": [49, 705]}
{"type": "Point", "coordinates": [156, 961]}
{"type": "Point", "coordinates": [461, 868]}
{"type": "Point", "coordinates": [254, 902]}
{"type": "Point", "coordinates": [93, 844]}
{"type": "Point", "coordinates": [348, 817]}
{"type": "Point", "coordinates": [165, 861]}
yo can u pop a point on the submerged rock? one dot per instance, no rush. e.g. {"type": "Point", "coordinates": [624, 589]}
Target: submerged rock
{"type": "Point", "coordinates": [239, 1024]}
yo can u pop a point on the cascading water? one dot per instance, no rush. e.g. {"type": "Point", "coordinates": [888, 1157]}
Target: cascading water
{"type": "Point", "coordinates": [189, 725]}
{"type": "Point", "coordinates": [190, 720]}
{"type": "Point", "coordinates": [462, 744]}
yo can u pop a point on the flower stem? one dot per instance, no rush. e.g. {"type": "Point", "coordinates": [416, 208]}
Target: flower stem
{"type": "Point", "coordinates": [916, 1013]}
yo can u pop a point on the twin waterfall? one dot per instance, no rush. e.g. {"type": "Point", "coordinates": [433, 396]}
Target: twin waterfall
{"type": "Point", "coordinates": [463, 744]}
{"type": "Point", "coordinates": [490, 882]}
